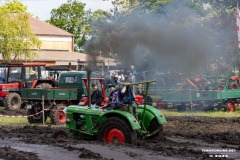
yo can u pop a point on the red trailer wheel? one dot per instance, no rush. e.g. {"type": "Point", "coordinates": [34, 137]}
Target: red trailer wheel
{"type": "Point", "coordinates": [230, 106]}
{"type": "Point", "coordinates": [114, 135]}
{"type": "Point", "coordinates": [57, 114]}
{"type": "Point", "coordinates": [61, 116]}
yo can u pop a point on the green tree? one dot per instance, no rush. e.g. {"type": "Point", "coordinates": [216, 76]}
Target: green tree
{"type": "Point", "coordinates": [15, 6]}
{"type": "Point", "coordinates": [72, 17]}
{"type": "Point", "coordinates": [145, 6]}
{"type": "Point", "coordinates": [17, 40]}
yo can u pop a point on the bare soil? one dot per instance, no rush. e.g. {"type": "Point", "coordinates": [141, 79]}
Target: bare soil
{"type": "Point", "coordinates": [182, 138]}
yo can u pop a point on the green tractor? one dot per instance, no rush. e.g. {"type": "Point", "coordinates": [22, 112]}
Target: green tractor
{"type": "Point", "coordinates": [118, 126]}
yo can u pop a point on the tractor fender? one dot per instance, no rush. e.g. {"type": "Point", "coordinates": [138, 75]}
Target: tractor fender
{"type": "Point", "coordinates": [150, 114]}
{"type": "Point", "coordinates": [124, 115]}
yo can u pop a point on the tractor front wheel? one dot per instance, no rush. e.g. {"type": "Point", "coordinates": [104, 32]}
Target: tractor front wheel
{"type": "Point", "coordinates": [116, 130]}
{"type": "Point", "coordinates": [155, 128]}
{"type": "Point", "coordinates": [57, 114]}
{"type": "Point", "coordinates": [12, 101]}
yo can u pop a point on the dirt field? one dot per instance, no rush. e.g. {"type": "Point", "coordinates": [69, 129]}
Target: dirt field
{"type": "Point", "coordinates": [183, 138]}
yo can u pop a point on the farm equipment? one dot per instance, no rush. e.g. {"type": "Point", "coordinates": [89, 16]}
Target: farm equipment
{"type": "Point", "coordinates": [18, 76]}
{"type": "Point", "coordinates": [119, 125]}
{"type": "Point", "coordinates": [70, 91]}
{"type": "Point", "coordinates": [206, 95]}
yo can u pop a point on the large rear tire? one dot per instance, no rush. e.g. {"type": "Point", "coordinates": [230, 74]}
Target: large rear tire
{"type": "Point", "coordinates": [116, 130]}
{"type": "Point", "coordinates": [44, 85]}
{"type": "Point", "coordinates": [12, 101]}
{"type": "Point", "coordinates": [57, 114]}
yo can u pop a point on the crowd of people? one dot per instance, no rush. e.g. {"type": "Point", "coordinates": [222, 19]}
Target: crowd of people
{"type": "Point", "coordinates": [121, 76]}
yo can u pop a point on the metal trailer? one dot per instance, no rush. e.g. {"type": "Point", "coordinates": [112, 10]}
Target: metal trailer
{"type": "Point", "coordinates": [210, 93]}
{"type": "Point", "coordinates": [54, 99]}
{"type": "Point", "coordinates": [200, 99]}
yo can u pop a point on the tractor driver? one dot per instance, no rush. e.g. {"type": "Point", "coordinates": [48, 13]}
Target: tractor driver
{"type": "Point", "coordinates": [96, 97]}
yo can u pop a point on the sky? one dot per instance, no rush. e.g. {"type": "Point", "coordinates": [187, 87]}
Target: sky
{"type": "Point", "coordinates": [42, 8]}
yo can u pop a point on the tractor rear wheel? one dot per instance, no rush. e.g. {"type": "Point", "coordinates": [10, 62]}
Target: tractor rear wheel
{"type": "Point", "coordinates": [35, 115]}
{"type": "Point", "coordinates": [44, 85]}
{"type": "Point", "coordinates": [57, 114]}
{"type": "Point", "coordinates": [12, 101]}
{"type": "Point", "coordinates": [155, 127]}
{"type": "Point", "coordinates": [116, 130]}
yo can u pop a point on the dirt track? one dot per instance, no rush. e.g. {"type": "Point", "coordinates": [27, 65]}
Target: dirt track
{"type": "Point", "coordinates": [183, 138]}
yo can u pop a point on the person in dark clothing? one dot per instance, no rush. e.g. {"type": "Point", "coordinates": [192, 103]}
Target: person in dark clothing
{"type": "Point", "coordinates": [96, 97]}
{"type": "Point", "coordinates": [117, 95]}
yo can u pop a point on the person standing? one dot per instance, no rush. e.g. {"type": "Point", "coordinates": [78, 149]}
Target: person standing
{"type": "Point", "coordinates": [134, 72]}
{"type": "Point", "coordinates": [130, 77]}
{"type": "Point", "coordinates": [133, 77]}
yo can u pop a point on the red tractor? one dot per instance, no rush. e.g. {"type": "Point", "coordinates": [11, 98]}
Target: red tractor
{"type": "Point", "coordinates": [21, 75]}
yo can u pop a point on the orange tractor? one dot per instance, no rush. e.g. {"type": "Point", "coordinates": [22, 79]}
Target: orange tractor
{"type": "Point", "coordinates": [18, 76]}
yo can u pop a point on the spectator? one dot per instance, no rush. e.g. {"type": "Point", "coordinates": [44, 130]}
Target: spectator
{"type": "Point", "coordinates": [114, 79]}
{"type": "Point", "coordinates": [134, 72]}
{"type": "Point", "coordinates": [130, 77]}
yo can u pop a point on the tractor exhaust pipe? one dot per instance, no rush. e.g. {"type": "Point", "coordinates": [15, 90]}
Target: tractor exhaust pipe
{"type": "Point", "coordinates": [89, 86]}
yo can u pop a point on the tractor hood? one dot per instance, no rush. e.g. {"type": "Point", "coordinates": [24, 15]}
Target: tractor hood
{"type": "Point", "coordinates": [83, 109]}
